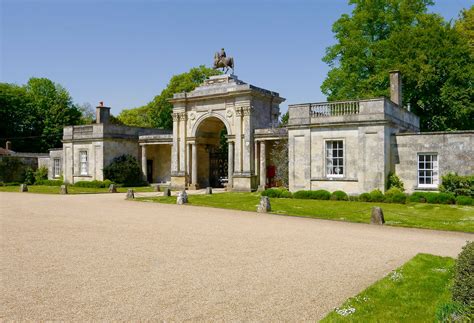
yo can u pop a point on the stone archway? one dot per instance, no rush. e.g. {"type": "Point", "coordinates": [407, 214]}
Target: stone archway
{"type": "Point", "coordinates": [210, 153]}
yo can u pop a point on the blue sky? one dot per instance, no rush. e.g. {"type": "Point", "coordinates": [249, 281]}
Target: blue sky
{"type": "Point", "coordinates": [124, 52]}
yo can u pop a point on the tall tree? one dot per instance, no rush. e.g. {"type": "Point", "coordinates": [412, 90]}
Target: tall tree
{"type": "Point", "coordinates": [157, 113]}
{"type": "Point", "coordinates": [382, 35]}
{"type": "Point", "coordinates": [54, 109]}
{"type": "Point", "coordinates": [33, 116]}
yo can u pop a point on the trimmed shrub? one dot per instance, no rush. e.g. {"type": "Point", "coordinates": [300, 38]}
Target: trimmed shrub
{"type": "Point", "coordinates": [41, 173]}
{"type": "Point", "coordinates": [464, 200]}
{"type": "Point", "coordinates": [314, 195]}
{"type": "Point", "coordinates": [321, 195]}
{"type": "Point", "coordinates": [440, 198]}
{"type": "Point", "coordinates": [418, 197]}
{"type": "Point", "coordinates": [395, 195]}
{"type": "Point", "coordinates": [463, 287]}
{"type": "Point", "coordinates": [93, 184]}
{"type": "Point", "coordinates": [457, 185]}
{"type": "Point", "coordinates": [394, 182]}
{"type": "Point", "coordinates": [277, 193]}
{"type": "Point", "coordinates": [30, 176]}
{"type": "Point", "coordinates": [50, 182]}
{"type": "Point", "coordinates": [124, 170]}
{"type": "Point", "coordinates": [364, 197]}
{"type": "Point", "coordinates": [286, 194]}
{"type": "Point", "coordinates": [339, 196]}
{"type": "Point", "coordinates": [376, 196]}
{"type": "Point", "coordinates": [353, 198]}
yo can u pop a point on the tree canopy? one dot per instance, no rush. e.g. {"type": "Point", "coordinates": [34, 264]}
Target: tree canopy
{"type": "Point", "coordinates": [157, 113]}
{"type": "Point", "coordinates": [433, 55]}
{"type": "Point", "coordinates": [33, 116]}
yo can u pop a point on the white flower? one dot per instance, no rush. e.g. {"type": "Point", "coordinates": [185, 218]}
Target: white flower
{"type": "Point", "coordinates": [345, 311]}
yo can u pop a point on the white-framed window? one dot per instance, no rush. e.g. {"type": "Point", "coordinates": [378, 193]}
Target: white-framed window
{"type": "Point", "coordinates": [83, 162]}
{"type": "Point", "coordinates": [334, 158]}
{"type": "Point", "coordinates": [56, 167]}
{"type": "Point", "coordinates": [428, 170]}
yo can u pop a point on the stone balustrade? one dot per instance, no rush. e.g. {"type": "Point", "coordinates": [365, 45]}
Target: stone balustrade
{"type": "Point", "coordinates": [327, 109]}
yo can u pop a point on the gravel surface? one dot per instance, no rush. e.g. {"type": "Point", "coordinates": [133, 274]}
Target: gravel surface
{"type": "Point", "coordinates": [97, 256]}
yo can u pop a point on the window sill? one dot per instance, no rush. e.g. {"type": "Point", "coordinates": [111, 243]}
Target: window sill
{"type": "Point", "coordinates": [334, 179]}
{"type": "Point", "coordinates": [426, 188]}
{"type": "Point", "coordinates": [90, 176]}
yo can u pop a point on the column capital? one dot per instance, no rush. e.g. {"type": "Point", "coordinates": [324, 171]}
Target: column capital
{"type": "Point", "coordinates": [175, 116]}
{"type": "Point", "coordinates": [183, 116]}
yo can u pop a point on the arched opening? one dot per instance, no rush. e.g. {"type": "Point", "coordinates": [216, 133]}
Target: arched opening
{"type": "Point", "coordinates": [212, 153]}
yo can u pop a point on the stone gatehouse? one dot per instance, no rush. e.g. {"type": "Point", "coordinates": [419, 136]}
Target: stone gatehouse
{"type": "Point", "coordinates": [225, 130]}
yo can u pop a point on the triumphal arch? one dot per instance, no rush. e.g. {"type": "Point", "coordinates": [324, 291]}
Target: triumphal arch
{"type": "Point", "coordinates": [214, 134]}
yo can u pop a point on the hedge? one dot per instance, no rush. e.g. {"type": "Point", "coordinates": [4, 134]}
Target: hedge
{"type": "Point", "coordinates": [50, 182]}
{"type": "Point", "coordinates": [277, 193]}
{"type": "Point", "coordinates": [312, 195]}
{"type": "Point", "coordinates": [93, 184]}
{"type": "Point", "coordinates": [339, 196]}
{"type": "Point", "coordinates": [393, 195]}
{"type": "Point", "coordinates": [463, 287]}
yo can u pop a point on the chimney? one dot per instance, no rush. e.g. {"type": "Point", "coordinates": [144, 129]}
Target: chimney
{"type": "Point", "coordinates": [8, 145]}
{"type": "Point", "coordinates": [102, 114]}
{"type": "Point", "coordinates": [396, 88]}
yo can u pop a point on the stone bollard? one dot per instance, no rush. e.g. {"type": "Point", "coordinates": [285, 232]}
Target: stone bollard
{"type": "Point", "coordinates": [377, 216]}
{"type": "Point", "coordinates": [130, 194]}
{"type": "Point", "coordinates": [208, 190]}
{"type": "Point", "coordinates": [63, 189]}
{"type": "Point", "coordinates": [23, 188]}
{"type": "Point", "coordinates": [182, 198]}
{"type": "Point", "coordinates": [167, 191]}
{"type": "Point", "coordinates": [264, 205]}
{"type": "Point", "coordinates": [112, 188]}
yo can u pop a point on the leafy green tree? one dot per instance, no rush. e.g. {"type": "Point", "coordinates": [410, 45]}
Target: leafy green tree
{"type": "Point", "coordinates": [53, 108]}
{"type": "Point", "coordinates": [465, 26]}
{"type": "Point", "coordinates": [16, 117]}
{"type": "Point", "coordinates": [382, 35]}
{"type": "Point", "coordinates": [157, 113]}
{"type": "Point", "coordinates": [137, 117]}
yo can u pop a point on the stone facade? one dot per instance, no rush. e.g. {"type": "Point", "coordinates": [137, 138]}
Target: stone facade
{"type": "Point", "coordinates": [454, 151]}
{"type": "Point", "coordinates": [87, 149]}
{"type": "Point", "coordinates": [347, 145]}
{"type": "Point", "coordinates": [223, 101]}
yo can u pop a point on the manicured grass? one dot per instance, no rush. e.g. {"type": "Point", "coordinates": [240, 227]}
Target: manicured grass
{"type": "Point", "coordinates": [412, 293]}
{"type": "Point", "coordinates": [72, 190]}
{"type": "Point", "coordinates": [417, 215]}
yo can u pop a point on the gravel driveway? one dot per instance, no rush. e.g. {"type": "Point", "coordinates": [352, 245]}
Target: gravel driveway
{"type": "Point", "coordinates": [83, 257]}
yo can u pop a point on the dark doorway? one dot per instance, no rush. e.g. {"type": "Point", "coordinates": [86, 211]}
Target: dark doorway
{"type": "Point", "coordinates": [217, 167]}
{"type": "Point", "coordinates": [149, 170]}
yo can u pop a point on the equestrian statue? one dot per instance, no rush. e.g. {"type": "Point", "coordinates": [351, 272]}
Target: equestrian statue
{"type": "Point", "coordinates": [222, 61]}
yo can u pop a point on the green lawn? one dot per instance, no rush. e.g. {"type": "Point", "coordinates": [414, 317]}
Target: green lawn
{"type": "Point", "coordinates": [412, 293]}
{"type": "Point", "coordinates": [417, 215]}
{"type": "Point", "coordinates": [71, 189]}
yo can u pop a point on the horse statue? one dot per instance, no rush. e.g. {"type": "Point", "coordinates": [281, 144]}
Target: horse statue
{"type": "Point", "coordinates": [225, 63]}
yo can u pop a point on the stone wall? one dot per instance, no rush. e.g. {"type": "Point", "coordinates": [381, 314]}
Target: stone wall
{"type": "Point", "coordinates": [455, 152]}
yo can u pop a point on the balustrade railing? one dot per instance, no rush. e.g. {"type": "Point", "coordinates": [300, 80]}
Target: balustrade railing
{"type": "Point", "coordinates": [329, 109]}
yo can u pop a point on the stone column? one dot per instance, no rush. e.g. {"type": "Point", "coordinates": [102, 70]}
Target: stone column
{"type": "Point", "coordinates": [230, 164]}
{"type": "Point", "coordinates": [144, 170]}
{"type": "Point", "coordinates": [194, 167]}
{"type": "Point", "coordinates": [255, 163]}
{"type": "Point", "coordinates": [182, 144]}
{"type": "Point", "coordinates": [175, 147]}
{"type": "Point", "coordinates": [188, 161]}
{"type": "Point", "coordinates": [247, 147]}
{"type": "Point", "coordinates": [263, 166]}
{"type": "Point", "coordinates": [238, 141]}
